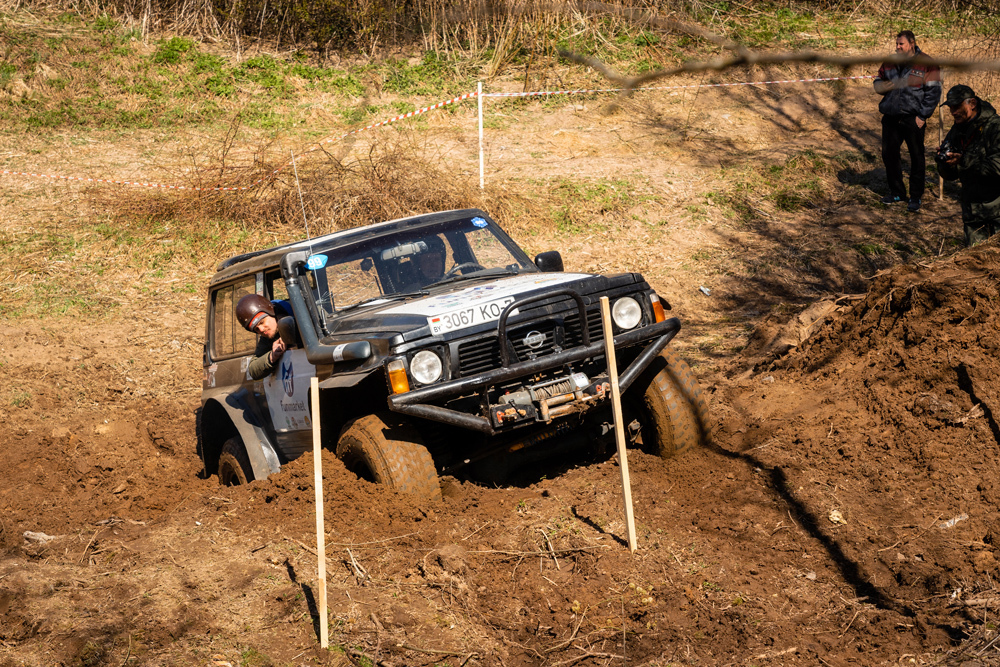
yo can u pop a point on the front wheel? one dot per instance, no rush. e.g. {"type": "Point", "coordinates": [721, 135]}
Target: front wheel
{"type": "Point", "coordinates": [674, 406]}
{"type": "Point", "coordinates": [234, 463]}
{"type": "Point", "coordinates": [386, 450]}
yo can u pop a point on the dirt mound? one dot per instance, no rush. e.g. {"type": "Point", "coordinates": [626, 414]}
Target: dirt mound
{"type": "Point", "coordinates": [879, 433]}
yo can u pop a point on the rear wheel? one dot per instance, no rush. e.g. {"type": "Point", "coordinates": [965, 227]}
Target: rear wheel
{"type": "Point", "coordinates": [387, 450]}
{"type": "Point", "coordinates": [234, 463]}
{"type": "Point", "coordinates": [675, 407]}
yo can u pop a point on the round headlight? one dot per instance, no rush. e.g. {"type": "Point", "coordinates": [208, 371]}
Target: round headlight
{"type": "Point", "coordinates": [626, 313]}
{"type": "Point", "coordinates": [426, 367]}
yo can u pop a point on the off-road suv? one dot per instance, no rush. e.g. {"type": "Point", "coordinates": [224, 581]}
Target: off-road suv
{"type": "Point", "coordinates": [440, 348]}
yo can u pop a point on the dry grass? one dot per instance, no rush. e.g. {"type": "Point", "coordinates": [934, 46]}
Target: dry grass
{"type": "Point", "coordinates": [399, 173]}
{"type": "Point", "coordinates": [495, 30]}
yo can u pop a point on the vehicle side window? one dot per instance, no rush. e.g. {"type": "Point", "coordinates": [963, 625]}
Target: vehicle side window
{"type": "Point", "coordinates": [276, 286]}
{"type": "Point", "coordinates": [228, 337]}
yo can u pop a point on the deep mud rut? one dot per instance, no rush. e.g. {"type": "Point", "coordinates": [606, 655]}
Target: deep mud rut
{"type": "Point", "coordinates": [845, 514]}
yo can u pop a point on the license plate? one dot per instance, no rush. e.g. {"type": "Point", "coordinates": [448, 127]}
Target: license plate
{"type": "Point", "coordinates": [470, 316]}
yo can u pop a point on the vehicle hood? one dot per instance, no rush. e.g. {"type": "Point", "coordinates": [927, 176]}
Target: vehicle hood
{"type": "Point", "coordinates": [401, 318]}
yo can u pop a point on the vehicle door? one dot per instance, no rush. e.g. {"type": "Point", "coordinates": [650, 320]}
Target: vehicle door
{"type": "Point", "coordinates": [231, 347]}
{"type": "Point", "coordinates": [284, 393]}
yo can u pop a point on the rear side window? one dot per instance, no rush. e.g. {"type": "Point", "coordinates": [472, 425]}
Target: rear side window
{"type": "Point", "coordinates": [228, 337]}
{"type": "Point", "coordinates": [275, 286]}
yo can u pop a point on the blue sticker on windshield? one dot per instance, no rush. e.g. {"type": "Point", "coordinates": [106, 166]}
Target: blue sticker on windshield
{"type": "Point", "coordinates": [316, 262]}
{"type": "Point", "coordinates": [479, 222]}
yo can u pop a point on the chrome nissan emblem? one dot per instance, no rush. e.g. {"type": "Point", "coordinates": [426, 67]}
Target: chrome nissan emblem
{"type": "Point", "coordinates": [534, 339]}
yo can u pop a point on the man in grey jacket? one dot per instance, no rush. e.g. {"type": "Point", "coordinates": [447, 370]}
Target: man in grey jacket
{"type": "Point", "coordinates": [910, 94]}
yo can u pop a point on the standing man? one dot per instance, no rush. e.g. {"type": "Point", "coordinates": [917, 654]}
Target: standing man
{"type": "Point", "coordinates": [971, 153]}
{"type": "Point", "coordinates": [910, 94]}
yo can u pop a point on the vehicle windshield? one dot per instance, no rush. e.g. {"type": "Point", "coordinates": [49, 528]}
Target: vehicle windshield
{"type": "Point", "coordinates": [409, 262]}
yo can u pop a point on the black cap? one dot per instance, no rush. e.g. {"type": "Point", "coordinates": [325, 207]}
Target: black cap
{"type": "Point", "coordinates": [958, 94]}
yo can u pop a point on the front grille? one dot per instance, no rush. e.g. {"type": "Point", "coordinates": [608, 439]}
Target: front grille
{"type": "Point", "coordinates": [574, 335]}
{"type": "Point", "coordinates": [550, 335]}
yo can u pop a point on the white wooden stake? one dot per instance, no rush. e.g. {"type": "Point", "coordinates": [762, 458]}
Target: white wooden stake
{"type": "Point", "coordinates": [616, 403]}
{"type": "Point", "coordinates": [324, 630]}
{"type": "Point", "coordinates": [940, 139]}
{"type": "Point", "coordinates": [482, 169]}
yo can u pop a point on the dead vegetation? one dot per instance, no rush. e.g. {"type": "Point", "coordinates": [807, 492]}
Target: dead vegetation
{"type": "Point", "coordinates": [388, 175]}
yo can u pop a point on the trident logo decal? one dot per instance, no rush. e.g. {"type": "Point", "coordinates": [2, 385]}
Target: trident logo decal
{"type": "Point", "coordinates": [288, 378]}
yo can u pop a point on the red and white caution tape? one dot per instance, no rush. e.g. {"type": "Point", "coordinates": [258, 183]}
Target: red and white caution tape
{"type": "Point", "coordinates": [410, 114]}
{"type": "Point", "coordinates": [693, 85]}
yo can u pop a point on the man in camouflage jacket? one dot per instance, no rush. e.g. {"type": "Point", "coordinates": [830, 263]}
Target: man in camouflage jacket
{"type": "Point", "coordinates": [971, 153]}
{"type": "Point", "coordinates": [910, 95]}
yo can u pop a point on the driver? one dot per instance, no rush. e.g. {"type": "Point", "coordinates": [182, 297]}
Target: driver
{"type": "Point", "coordinates": [430, 263]}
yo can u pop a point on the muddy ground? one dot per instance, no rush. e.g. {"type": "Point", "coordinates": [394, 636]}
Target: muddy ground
{"type": "Point", "coordinates": [846, 512]}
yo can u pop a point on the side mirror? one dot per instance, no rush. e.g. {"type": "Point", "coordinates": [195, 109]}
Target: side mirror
{"type": "Point", "coordinates": [549, 262]}
{"type": "Point", "coordinates": [289, 332]}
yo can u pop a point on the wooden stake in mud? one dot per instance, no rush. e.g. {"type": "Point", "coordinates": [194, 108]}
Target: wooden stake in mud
{"type": "Point", "coordinates": [940, 141]}
{"type": "Point", "coordinates": [482, 167]}
{"type": "Point", "coordinates": [324, 630]}
{"type": "Point", "coordinates": [616, 402]}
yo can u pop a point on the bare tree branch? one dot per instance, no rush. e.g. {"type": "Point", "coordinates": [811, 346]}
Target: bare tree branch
{"type": "Point", "coordinates": [755, 58]}
{"type": "Point", "coordinates": [640, 16]}
{"type": "Point", "coordinates": [743, 57]}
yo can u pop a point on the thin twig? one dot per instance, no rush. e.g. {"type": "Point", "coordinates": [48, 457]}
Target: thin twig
{"type": "Point", "coordinates": [588, 654]}
{"type": "Point", "coordinates": [850, 624]}
{"type": "Point", "coordinates": [907, 539]}
{"type": "Point", "coordinates": [128, 653]}
{"type": "Point", "coordinates": [178, 505]}
{"type": "Point", "coordinates": [551, 550]}
{"type": "Point", "coordinates": [361, 544]}
{"type": "Point", "coordinates": [84, 554]}
{"type": "Point", "coordinates": [571, 637]}
{"type": "Point", "coordinates": [476, 530]}
{"type": "Point", "coordinates": [974, 602]}
{"type": "Point", "coordinates": [988, 646]}
{"type": "Point", "coordinates": [359, 571]}
{"type": "Point", "coordinates": [358, 654]}
{"type": "Point", "coordinates": [432, 651]}
{"type": "Point", "coordinates": [538, 553]}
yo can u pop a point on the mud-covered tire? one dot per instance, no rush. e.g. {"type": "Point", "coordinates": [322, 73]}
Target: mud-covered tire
{"type": "Point", "coordinates": [234, 463]}
{"type": "Point", "coordinates": [387, 450]}
{"type": "Point", "coordinates": [674, 406]}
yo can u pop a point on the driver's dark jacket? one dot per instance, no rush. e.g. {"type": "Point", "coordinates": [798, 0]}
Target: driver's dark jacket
{"type": "Point", "coordinates": [260, 367]}
{"type": "Point", "coordinates": [978, 140]}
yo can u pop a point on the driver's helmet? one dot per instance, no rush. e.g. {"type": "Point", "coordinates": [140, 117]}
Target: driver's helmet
{"type": "Point", "coordinates": [252, 309]}
{"type": "Point", "coordinates": [435, 244]}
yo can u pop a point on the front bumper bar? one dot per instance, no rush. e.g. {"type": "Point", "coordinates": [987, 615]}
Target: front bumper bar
{"type": "Point", "coordinates": [417, 403]}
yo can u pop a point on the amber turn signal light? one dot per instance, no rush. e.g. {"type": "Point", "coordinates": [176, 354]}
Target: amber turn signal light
{"type": "Point", "coordinates": [397, 376]}
{"type": "Point", "coordinates": [658, 313]}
